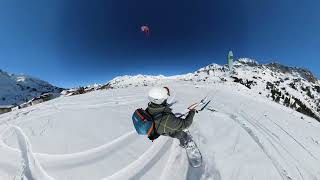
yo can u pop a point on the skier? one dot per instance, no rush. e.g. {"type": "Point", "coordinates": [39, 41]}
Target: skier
{"type": "Point", "coordinates": [158, 120]}
{"type": "Point", "coordinates": [166, 123]}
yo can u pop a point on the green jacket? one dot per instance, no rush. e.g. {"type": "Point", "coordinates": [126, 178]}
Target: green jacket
{"type": "Point", "coordinates": [168, 123]}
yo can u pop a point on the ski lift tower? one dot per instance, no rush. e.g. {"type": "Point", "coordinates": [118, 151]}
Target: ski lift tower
{"type": "Point", "coordinates": [230, 61]}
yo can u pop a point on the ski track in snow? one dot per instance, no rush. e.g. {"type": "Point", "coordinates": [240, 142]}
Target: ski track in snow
{"type": "Point", "coordinates": [177, 162]}
{"type": "Point", "coordinates": [88, 156]}
{"type": "Point", "coordinates": [75, 159]}
{"type": "Point", "coordinates": [299, 143]}
{"type": "Point", "coordinates": [137, 168]}
{"type": "Point", "coordinates": [264, 138]}
{"type": "Point", "coordinates": [31, 166]}
{"type": "Point", "coordinates": [278, 145]}
{"type": "Point", "coordinates": [255, 138]}
{"type": "Point", "coordinates": [275, 142]}
{"type": "Point", "coordinates": [134, 170]}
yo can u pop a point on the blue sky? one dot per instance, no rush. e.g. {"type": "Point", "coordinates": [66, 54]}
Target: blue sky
{"type": "Point", "coordinates": [71, 43]}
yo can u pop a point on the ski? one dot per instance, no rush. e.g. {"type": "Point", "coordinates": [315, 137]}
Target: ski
{"type": "Point", "coordinates": [193, 153]}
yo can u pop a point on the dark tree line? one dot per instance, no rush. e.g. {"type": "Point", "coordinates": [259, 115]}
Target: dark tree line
{"type": "Point", "coordinates": [292, 101]}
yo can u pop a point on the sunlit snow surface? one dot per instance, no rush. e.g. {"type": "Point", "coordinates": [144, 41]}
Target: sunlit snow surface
{"type": "Point", "coordinates": [91, 137]}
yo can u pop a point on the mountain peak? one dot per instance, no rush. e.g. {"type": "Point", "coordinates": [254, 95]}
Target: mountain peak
{"type": "Point", "coordinates": [246, 61]}
{"type": "Point", "coordinates": [212, 66]}
{"type": "Point", "coordinates": [303, 72]}
{"type": "Point", "coordinates": [17, 89]}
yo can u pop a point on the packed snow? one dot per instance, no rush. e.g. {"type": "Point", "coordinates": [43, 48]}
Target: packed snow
{"type": "Point", "coordinates": [242, 135]}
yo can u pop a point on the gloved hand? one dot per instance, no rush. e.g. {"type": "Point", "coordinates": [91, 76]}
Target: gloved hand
{"type": "Point", "coordinates": [194, 110]}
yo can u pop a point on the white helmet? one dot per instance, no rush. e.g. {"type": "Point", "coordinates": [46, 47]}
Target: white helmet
{"type": "Point", "coordinates": [158, 95]}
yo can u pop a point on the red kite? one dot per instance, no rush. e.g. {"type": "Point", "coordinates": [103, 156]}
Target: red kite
{"type": "Point", "coordinates": [146, 30]}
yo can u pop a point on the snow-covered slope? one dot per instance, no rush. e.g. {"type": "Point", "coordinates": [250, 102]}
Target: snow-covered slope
{"type": "Point", "coordinates": [296, 88]}
{"type": "Point", "coordinates": [253, 129]}
{"type": "Point", "coordinates": [91, 137]}
{"type": "Point", "coordinates": [17, 89]}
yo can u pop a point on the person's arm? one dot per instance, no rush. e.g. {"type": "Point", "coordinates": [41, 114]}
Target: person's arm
{"type": "Point", "coordinates": [189, 119]}
{"type": "Point", "coordinates": [172, 123]}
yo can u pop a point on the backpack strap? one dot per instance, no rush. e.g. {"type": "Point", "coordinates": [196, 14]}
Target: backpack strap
{"type": "Point", "coordinates": [154, 133]}
{"type": "Point", "coordinates": [151, 130]}
{"type": "Point", "coordinates": [156, 116]}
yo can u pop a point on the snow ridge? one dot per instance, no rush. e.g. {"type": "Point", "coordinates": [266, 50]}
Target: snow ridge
{"type": "Point", "coordinates": [293, 87]}
{"type": "Point", "coordinates": [17, 89]}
